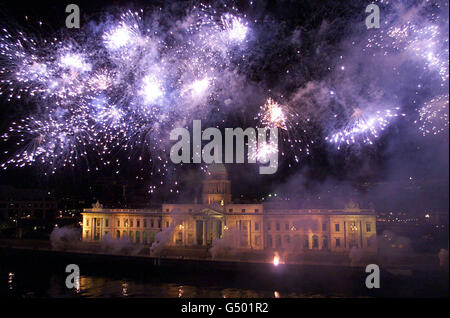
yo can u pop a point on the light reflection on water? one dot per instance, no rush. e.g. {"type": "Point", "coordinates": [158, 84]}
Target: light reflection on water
{"type": "Point", "coordinates": [97, 286]}
{"type": "Point", "coordinates": [91, 286]}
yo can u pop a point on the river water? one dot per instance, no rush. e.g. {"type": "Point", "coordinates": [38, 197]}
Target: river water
{"type": "Point", "coordinates": [44, 277]}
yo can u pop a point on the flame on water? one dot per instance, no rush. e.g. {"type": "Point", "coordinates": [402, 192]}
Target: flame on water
{"type": "Point", "coordinates": [276, 259]}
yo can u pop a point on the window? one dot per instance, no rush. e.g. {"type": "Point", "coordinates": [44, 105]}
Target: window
{"type": "Point", "coordinates": [256, 226]}
{"type": "Point", "coordinates": [144, 237]}
{"type": "Point", "coordinates": [305, 242]}
{"type": "Point", "coordinates": [118, 223]}
{"type": "Point", "coordinates": [324, 242]}
{"type": "Point", "coordinates": [336, 227]}
{"type": "Point", "coordinates": [118, 234]}
{"type": "Point", "coordinates": [258, 240]}
{"type": "Point", "coordinates": [278, 241]}
{"type": "Point", "coordinates": [190, 210]}
{"type": "Point", "coordinates": [368, 227]}
{"type": "Point", "coordinates": [278, 226]}
{"type": "Point", "coordinates": [243, 210]}
{"type": "Point", "coordinates": [131, 223]}
{"type": "Point", "coordinates": [167, 223]}
{"type": "Point", "coordinates": [269, 240]}
{"type": "Point", "coordinates": [159, 224]}
{"type": "Point", "coordinates": [286, 226]}
{"type": "Point", "coordinates": [230, 210]}
{"type": "Point", "coordinates": [324, 226]}
{"type": "Point", "coordinates": [269, 227]}
{"type": "Point", "coordinates": [138, 237]}
{"type": "Point", "coordinates": [98, 222]}
{"type": "Point", "coordinates": [167, 210]}
{"type": "Point", "coordinates": [338, 242]}
{"type": "Point", "coordinates": [138, 223]}
{"type": "Point", "coordinates": [179, 239]}
{"type": "Point", "coordinates": [256, 210]}
{"type": "Point", "coordinates": [131, 236]}
{"type": "Point", "coordinates": [287, 239]}
{"type": "Point", "coordinates": [315, 240]}
{"type": "Point", "coordinates": [87, 222]}
{"type": "Point", "coordinates": [145, 223]}
{"type": "Point", "coordinates": [152, 223]}
{"type": "Point", "coordinates": [106, 222]}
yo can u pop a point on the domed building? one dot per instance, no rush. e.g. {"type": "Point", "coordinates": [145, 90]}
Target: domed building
{"type": "Point", "coordinates": [250, 226]}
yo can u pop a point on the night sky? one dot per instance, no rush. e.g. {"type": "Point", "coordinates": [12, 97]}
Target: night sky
{"type": "Point", "coordinates": [331, 76]}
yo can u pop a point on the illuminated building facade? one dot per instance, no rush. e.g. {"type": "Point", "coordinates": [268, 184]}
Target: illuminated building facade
{"type": "Point", "coordinates": [249, 225]}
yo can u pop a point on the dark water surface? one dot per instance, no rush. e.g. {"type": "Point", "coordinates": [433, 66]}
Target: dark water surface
{"type": "Point", "coordinates": [44, 276]}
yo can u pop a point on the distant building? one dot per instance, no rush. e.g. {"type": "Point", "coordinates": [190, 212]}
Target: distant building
{"type": "Point", "coordinates": [249, 226]}
{"type": "Point", "coordinates": [16, 204]}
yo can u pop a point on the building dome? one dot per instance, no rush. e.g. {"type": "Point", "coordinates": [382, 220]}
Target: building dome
{"type": "Point", "coordinates": [216, 186]}
{"type": "Point", "coordinates": [217, 171]}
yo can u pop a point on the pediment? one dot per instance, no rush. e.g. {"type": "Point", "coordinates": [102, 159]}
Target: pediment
{"type": "Point", "coordinates": [208, 212]}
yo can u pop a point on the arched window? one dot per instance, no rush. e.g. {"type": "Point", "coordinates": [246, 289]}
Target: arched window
{"type": "Point", "coordinates": [324, 242]}
{"type": "Point", "coordinates": [315, 241]}
{"type": "Point", "coordinates": [118, 234]}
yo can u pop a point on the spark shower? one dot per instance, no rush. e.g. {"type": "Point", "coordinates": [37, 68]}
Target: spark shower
{"type": "Point", "coordinates": [112, 90]}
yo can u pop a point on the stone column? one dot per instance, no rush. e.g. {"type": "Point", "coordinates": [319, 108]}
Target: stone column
{"type": "Point", "coordinates": [204, 233]}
